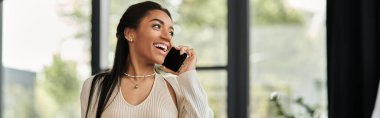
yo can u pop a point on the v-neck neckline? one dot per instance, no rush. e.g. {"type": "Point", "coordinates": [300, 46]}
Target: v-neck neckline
{"type": "Point", "coordinates": [146, 99]}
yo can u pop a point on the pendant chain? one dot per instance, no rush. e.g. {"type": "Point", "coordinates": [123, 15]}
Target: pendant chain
{"type": "Point", "coordinates": [138, 76]}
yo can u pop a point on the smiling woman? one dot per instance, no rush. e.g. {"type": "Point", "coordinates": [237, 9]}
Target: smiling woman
{"type": "Point", "coordinates": [137, 85]}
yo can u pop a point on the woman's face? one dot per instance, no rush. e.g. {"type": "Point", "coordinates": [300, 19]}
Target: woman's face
{"type": "Point", "coordinates": [152, 38]}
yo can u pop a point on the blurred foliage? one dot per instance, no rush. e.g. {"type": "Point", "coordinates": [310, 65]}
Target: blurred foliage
{"type": "Point", "coordinates": [59, 86]}
{"type": "Point", "coordinates": [196, 15]}
{"type": "Point", "coordinates": [310, 111]}
{"type": "Point", "coordinates": [260, 91]}
{"type": "Point", "coordinates": [19, 102]}
{"type": "Point", "coordinates": [214, 82]}
{"type": "Point", "coordinates": [61, 83]}
{"type": "Point", "coordinates": [287, 60]}
{"type": "Point", "coordinates": [203, 25]}
{"type": "Point", "coordinates": [77, 13]}
{"type": "Point", "coordinates": [271, 12]}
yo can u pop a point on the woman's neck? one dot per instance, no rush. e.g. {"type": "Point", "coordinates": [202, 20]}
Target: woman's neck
{"type": "Point", "coordinates": [139, 68]}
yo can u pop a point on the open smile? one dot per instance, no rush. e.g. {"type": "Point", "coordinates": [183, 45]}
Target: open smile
{"type": "Point", "coordinates": [162, 47]}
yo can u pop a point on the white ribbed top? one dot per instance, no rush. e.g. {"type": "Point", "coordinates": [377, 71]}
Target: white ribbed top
{"type": "Point", "coordinates": [158, 104]}
{"type": "Point", "coordinates": [191, 99]}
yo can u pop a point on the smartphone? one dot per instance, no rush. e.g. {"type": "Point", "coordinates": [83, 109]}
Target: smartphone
{"type": "Point", "coordinates": [174, 60]}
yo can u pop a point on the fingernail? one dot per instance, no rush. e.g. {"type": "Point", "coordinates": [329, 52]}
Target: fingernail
{"type": "Point", "coordinates": [181, 52]}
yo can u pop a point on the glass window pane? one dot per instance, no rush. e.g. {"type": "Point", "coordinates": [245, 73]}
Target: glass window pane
{"type": "Point", "coordinates": [45, 56]}
{"type": "Point", "coordinates": [287, 56]}
{"type": "Point", "coordinates": [203, 28]}
{"type": "Point", "coordinates": [215, 85]}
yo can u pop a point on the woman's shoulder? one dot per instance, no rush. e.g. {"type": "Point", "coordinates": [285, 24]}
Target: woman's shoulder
{"type": "Point", "coordinates": [87, 85]}
{"type": "Point", "coordinates": [90, 81]}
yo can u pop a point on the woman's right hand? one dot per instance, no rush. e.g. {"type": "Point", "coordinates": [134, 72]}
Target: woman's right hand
{"type": "Point", "coordinates": [188, 64]}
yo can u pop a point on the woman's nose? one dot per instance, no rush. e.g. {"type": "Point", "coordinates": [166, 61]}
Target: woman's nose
{"type": "Point", "coordinates": [166, 35]}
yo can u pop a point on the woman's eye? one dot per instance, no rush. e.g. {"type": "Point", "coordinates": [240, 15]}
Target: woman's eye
{"type": "Point", "coordinates": [156, 26]}
{"type": "Point", "coordinates": [171, 33]}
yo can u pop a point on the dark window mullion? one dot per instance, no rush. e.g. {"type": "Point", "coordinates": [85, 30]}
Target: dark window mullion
{"type": "Point", "coordinates": [238, 59]}
{"type": "Point", "coordinates": [95, 37]}
{"type": "Point", "coordinates": [99, 34]}
{"type": "Point", "coordinates": [211, 67]}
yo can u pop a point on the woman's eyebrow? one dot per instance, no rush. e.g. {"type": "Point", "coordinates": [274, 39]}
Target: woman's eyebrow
{"type": "Point", "coordinates": [161, 22]}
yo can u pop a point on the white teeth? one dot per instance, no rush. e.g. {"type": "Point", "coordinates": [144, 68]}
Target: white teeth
{"type": "Point", "coordinates": [162, 46]}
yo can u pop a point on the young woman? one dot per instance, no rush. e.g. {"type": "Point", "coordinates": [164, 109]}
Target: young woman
{"type": "Point", "coordinates": [137, 86]}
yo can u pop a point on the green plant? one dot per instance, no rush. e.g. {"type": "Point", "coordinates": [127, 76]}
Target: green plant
{"type": "Point", "coordinates": [275, 99]}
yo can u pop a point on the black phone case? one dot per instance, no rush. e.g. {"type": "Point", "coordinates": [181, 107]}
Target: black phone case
{"type": "Point", "coordinates": [174, 60]}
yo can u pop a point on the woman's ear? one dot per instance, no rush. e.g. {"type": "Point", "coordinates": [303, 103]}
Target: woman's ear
{"type": "Point", "coordinates": [129, 34]}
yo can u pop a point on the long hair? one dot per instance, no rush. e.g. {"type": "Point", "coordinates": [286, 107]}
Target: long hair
{"type": "Point", "coordinates": [111, 79]}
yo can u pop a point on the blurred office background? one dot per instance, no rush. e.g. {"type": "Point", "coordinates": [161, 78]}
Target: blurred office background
{"type": "Point", "coordinates": [49, 47]}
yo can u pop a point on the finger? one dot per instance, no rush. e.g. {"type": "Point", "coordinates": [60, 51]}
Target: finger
{"type": "Point", "coordinates": [190, 52]}
{"type": "Point", "coordinates": [180, 46]}
{"type": "Point", "coordinates": [183, 49]}
{"type": "Point", "coordinates": [193, 52]}
{"type": "Point", "coordinates": [177, 47]}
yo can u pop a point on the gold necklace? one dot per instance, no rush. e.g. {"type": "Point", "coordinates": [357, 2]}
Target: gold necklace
{"type": "Point", "coordinates": [137, 76]}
